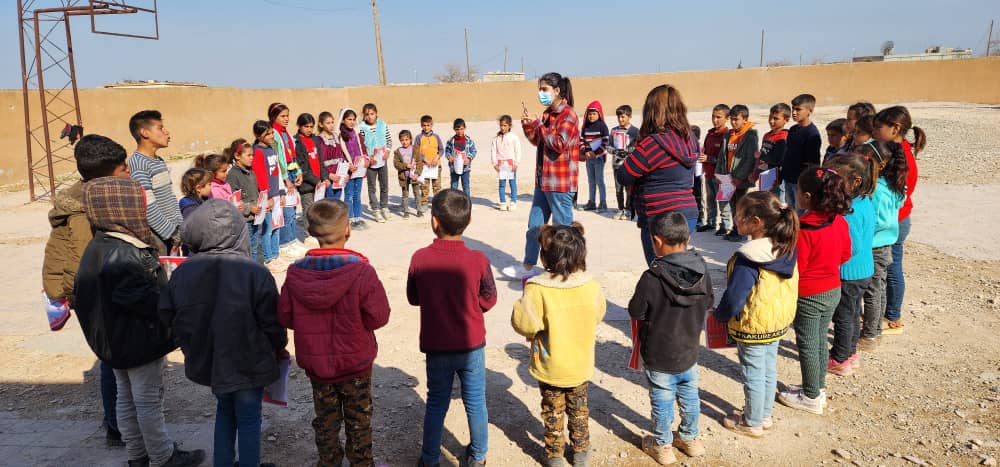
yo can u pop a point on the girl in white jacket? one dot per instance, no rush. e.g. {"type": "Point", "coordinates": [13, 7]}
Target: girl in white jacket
{"type": "Point", "coordinates": [505, 154]}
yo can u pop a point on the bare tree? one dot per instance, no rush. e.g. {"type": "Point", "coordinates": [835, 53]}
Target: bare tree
{"type": "Point", "coordinates": [779, 62]}
{"type": "Point", "coordinates": [454, 73]}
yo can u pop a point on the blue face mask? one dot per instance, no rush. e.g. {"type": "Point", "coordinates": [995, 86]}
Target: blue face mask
{"type": "Point", "coordinates": [545, 98]}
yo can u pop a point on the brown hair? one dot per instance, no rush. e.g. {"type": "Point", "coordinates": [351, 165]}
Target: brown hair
{"type": "Point", "coordinates": [664, 108]}
{"type": "Point", "coordinates": [453, 211]}
{"type": "Point", "coordinates": [857, 164]}
{"type": "Point", "coordinates": [235, 148]}
{"type": "Point", "coordinates": [194, 178]}
{"type": "Point", "coordinates": [826, 189]}
{"type": "Point", "coordinates": [781, 223]}
{"type": "Point", "coordinates": [866, 125]}
{"type": "Point", "coordinates": [211, 162]}
{"type": "Point", "coordinates": [897, 115]}
{"type": "Point", "coordinates": [563, 249]}
{"type": "Point", "coordinates": [327, 220]}
{"type": "Point", "coordinates": [896, 169]}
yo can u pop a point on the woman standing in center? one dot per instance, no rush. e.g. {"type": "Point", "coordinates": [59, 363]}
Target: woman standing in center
{"type": "Point", "coordinates": [556, 134]}
{"type": "Point", "coordinates": [661, 168]}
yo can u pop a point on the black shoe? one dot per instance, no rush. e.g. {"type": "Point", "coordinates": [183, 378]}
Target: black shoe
{"type": "Point", "coordinates": [603, 207]}
{"type": "Point", "coordinates": [590, 207]}
{"type": "Point", "coordinates": [113, 438]}
{"type": "Point", "coordinates": [144, 462]}
{"type": "Point", "coordinates": [420, 463]}
{"type": "Point", "coordinates": [734, 236]}
{"type": "Point", "coordinates": [470, 462]}
{"type": "Point", "coordinates": [420, 213]}
{"type": "Point", "coordinates": [705, 227]}
{"type": "Point", "coordinates": [186, 458]}
{"type": "Point", "coordinates": [722, 231]}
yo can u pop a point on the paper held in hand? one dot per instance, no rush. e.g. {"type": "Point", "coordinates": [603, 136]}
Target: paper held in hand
{"type": "Point", "coordinates": [767, 179]}
{"type": "Point", "coordinates": [292, 199]}
{"type": "Point", "coordinates": [506, 170]}
{"type": "Point", "coordinates": [277, 214]}
{"type": "Point", "coordinates": [458, 164]}
{"type": "Point", "coordinates": [361, 171]}
{"type": "Point", "coordinates": [342, 171]}
{"type": "Point", "coordinates": [277, 392]}
{"type": "Point", "coordinates": [429, 173]}
{"type": "Point", "coordinates": [726, 187]}
{"type": "Point", "coordinates": [262, 206]}
{"type": "Point", "coordinates": [237, 199]}
{"type": "Point", "coordinates": [619, 140]}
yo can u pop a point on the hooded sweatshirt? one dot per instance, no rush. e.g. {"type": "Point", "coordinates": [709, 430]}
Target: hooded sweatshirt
{"type": "Point", "coordinates": [824, 245]}
{"type": "Point", "coordinates": [661, 173]}
{"type": "Point", "coordinates": [223, 305]}
{"type": "Point", "coordinates": [69, 237]}
{"type": "Point", "coordinates": [560, 317]}
{"type": "Point", "coordinates": [593, 131]}
{"type": "Point", "coordinates": [670, 303]}
{"type": "Point", "coordinates": [761, 293]}
{"type": "Point", "coordinates": [334, 301]}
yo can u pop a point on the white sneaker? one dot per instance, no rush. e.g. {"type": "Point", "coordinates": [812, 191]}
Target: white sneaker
{"type": "Point", "coordinates": [310, 243]}
{"type": "Point", "coordinates": [502, 206]}
{"type": "Point", "coordinates": [276, 266]}
{"type": "Point", "coordinates": [798, 400]}
{"type": "Point", "coordinates": [513, 206]}
{"type": "Point", "coordinates": [517, 272]}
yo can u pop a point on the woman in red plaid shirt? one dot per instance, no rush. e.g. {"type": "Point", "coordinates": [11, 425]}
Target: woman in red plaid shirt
{"type": "Point", "coordinates": [557, 135]}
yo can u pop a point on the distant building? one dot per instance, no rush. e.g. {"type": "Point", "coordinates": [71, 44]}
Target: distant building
{"type": "Point", "coordinates": [152, 83]}
{"type": "Point", "coordinates": [932, 53]}
{"type": "Point", "coordinates": [494, 76]}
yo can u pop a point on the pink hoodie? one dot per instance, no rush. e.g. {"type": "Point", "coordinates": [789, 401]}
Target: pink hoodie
{"type": "Point", "coordinates": [221, 190]}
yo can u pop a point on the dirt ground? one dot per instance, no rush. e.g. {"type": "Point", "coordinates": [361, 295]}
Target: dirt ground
{"type": "Point", "coordinates": [928, 397]}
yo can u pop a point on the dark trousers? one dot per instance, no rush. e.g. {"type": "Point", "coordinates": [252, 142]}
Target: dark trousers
{"type": "Point", "coordinates": [812, 320]}
{"type": "Point", "coordinates": [109, 396]}
{"type": "Point", "coordinates": [847, 319]}
{"type": "Point", "coordinates": [699, 198]}
{"type": "Point", "coordinates": [347, 403]}
{"type": "Point", "coordinates": [381, 175]}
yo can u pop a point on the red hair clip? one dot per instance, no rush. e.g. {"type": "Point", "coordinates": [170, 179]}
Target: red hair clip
{"type": "Point", "coordinates": [819, 172]}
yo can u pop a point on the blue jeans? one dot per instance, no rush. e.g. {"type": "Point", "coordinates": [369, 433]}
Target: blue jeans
{"type": "Point", "coordinates": [109, 396]}
{"type": "Point", "coordinates": [895, 281]}
{"type": "Point", "coordinates": [237, 413]}
{"type": "Point", "coordinates": [288, 234]}
{"type": "Point", "coordinates": [759, 363]}
{"type": "Point", "coordinates": [513, 189]}
{"type": "Point", "coordinates": [268, 239]}
{"type": "Point", "coordinates": [352, 196]}
{"type": "Point", "coordinates": [465, 181]}
{"type": "Point", "coordinates": [254, 231]}
{"type": "Point", "coordinates": [790, 191]}
{"type": "Point", "coordinates": [545, 204]}
{"type": "Point", "coordinates": [332, 193]}
{"type": "Point", "coordinates": [646, 238]}
{"type": "Point", "coordinates": [595, 180]}
{"type": "Point", "coordinates": [663, 389]}
{"type": "Point", "coordinates": [441, 370]}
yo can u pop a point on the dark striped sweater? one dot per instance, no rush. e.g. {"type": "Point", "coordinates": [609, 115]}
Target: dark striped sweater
{"type": "Point", "coordinates": [661, 173]}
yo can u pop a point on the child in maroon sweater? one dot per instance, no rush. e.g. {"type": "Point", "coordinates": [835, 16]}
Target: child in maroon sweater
{"type": "Point", "coordinates": [334, 301]}
{"type": "Point", "coordinates": [453, 286]}
{"type": "Point", "coordinates": [824, 244]}
{"type": "Point", "coordinates": [709, 154]}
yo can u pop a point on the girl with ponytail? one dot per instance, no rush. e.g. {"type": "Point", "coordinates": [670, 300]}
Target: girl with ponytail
{"type": "Point", "coordinates": [824, 245]}
{"type": "Point", "coordinates": [857, 169]}
{"type": "Point", "coordinates": [892, 125]}
{"type": "Point", "coordinates": [759, 302]}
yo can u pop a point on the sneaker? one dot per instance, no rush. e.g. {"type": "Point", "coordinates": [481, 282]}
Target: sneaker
{"type": "Point", "coordinates": [300, 248]}
{"type": "Point", "coordinates": [844, 368]}
{"type": "Point", "coordinates": [502, 206]}
{"type": "Point", "coordinates": [629, 215]}
{"type": "Point", "coordinates": [420, 213]}
{"type": "Point", "coordinates": [513, 206]}
{"type": "Point", "coordinates": [732, 236]}
{"type": "Point", "coordinates": [421, 463]}
{"type": "Point", "coordinates": [276, 266]}
{"type": "Point", "coordinates": [738, 424]}
{"type": "Point", "coordinates": [854, 361]}
{"type": "Point", "coordinates": [186, 458]}
{"type": "Point", "coordinates": [798, 388]}
{"type": "Point", "coordinates": [590, 207]}
{"type": "Point", "coordinates": [310, 243]}
{"type": "Point", "coordinates": [143, 462]}
{"type": "Point", "coordinates": [517, 272]}
{"type": "Point", "coordinates": [722, 231]}
{"type": "Point", "coordinates": [693, 448]}
{"type": "Point", "coordinates": [705, 227]}
{"type": "Point", "coordinates": [379, 216]}
{"type": "Point", "coordinates": [406, 214]}
{"type": "Point", "coordinates": [359, 225]}
{"type": "Point", "coordinates": [113, 439]}
{"type": "Point", "coordinates": [663, 455]}
{"type": "Point", "coordinates": [892, 328]}
{"type": "Point", "coordinates": [602, 207]}
{"type": "Point", "coordinates": [619, 215]}
{"type": "Point", "coordinates": [581, 459]}
{"type": "Point", "coordinates": [765, 422]}
{"type": "Point", "coordinates": [470, 462]}
{"type": "Point", "coordinates": [799, 401]}
{"type": "Point", "coordinates": [385, 214]}
{"type": "Point", "coordinates": [868, 344]}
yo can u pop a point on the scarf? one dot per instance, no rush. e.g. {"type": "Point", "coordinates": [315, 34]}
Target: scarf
{"type": "Point", "coordinates": [374, 134]}
{"type": "Point", "coordinates": [734, 142]}
{"type": "Point", "coordinates": [118, 204]}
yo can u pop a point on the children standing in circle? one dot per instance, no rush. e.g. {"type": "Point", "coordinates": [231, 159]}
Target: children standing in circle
{"type": "Point", "coordinates": [893, 124]}
{"type": "Point", "coordinates": [594, 138]}
{"type": "Point", "coordinates": [559, 312]}
{"type": "Point", "coordinates": [196, 186]}
{"type": "Point", "coordinates": [267, 169]}
{"type": "Point", "coordinates": [378, 144]}
{"type": "Point", "coordinates": [505, 155]}
{"type": "Point", "coordinates": [460, 151]}
{"type": "Point", "coordinates": [241, 178]}
{"type": "Point", "coordinates": [887, 199]}
{"type": "Point", "coordinates": [353, 147]}
{"type": "Point", "coordinates": [307, 148]}
{"type": "Point", "coordinates": [857, 169]}
{"type": "Point", "coordinates": [824, 244]}
{"type": "Point", "coordinates": [759, 303]}
{"type": "Point", "coordinates": [331, 156]}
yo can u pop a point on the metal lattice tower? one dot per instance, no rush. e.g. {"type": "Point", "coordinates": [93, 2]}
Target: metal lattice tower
{"type": "Point", "coordinates": [48, 74]}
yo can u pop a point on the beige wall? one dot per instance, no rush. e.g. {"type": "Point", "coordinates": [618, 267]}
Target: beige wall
{"type": "Point", "coordinates": [202, 119]}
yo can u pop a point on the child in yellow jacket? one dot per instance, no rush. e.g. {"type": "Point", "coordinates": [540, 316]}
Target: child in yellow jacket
{"type": "Point", "coordinates": [559, 312]}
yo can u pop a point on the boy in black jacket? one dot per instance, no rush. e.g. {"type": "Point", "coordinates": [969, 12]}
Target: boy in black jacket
{"type": "Point", "coordinates": [117, 288]}
{"type": "Point", "coordinates": [670, 304]}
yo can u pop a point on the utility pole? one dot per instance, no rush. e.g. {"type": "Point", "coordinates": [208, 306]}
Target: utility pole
{"type": "Point", "coordinates": [378, 45]}
{"type": "Point", "coordinates": [989, 39]}
{"type": "Point", "coordinates": [468, 64]}
{"type": "Point", "coordinates": [505, 59]}
{"type": "Point", "coordinates": [762, 48]}
{"type": "Point", "coordinates": [522, 64]}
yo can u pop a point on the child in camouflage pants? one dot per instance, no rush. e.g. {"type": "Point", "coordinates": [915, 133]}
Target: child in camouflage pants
{"type": "Point", "coordinates": [348, 403]}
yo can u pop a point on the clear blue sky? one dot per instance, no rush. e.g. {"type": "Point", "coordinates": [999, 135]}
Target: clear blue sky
{"type": "Point", "coordinates": [247, 43]}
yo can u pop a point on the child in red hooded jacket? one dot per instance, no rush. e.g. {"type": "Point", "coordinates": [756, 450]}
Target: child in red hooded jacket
{"type": "Point", "coordinates": [334, 301]}
{"type": "Point", "coordinates": [594, 140]}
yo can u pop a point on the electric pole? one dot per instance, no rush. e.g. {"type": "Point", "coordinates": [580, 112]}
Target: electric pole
{"type": "Point", "coordinates": [505, 59]}
{"type": "Point", "coordinates": [761, 48]}
{"type": "Point", "coordinates": [468, 64]}
{"type": "Point", "coordinates": [989, 39]}
{"type": "Point", "coordinates": [378, 45]}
